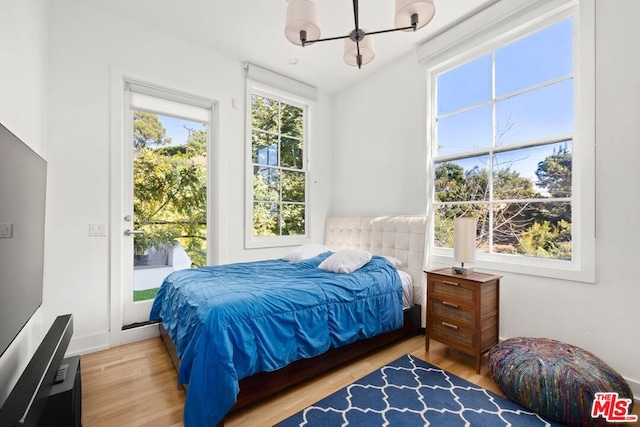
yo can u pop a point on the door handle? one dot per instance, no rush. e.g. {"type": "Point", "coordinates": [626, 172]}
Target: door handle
{"type": "Point", "coordinates": [132, 232]}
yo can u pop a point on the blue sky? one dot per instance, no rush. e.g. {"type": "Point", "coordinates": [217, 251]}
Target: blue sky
{"type": "Point", "coordinates": [465, 93]}
{"type": "Point", "coordinates": [175, 128]}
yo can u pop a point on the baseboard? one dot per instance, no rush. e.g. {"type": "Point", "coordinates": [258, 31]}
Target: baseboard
{"type": "Point", "coordinates": [139, 333]}
{"type": "Point", "coordinates": [635, 389]}
{"type": "Point", "coordinates": [88, 344]}
{"type": "Point", "coordinates": [102, 341]}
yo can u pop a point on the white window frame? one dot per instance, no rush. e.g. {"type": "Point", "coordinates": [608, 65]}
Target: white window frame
{"type": "Point", "coordinates": [492, 28]}
{"type": "Point", "coordinates": [263, 89]}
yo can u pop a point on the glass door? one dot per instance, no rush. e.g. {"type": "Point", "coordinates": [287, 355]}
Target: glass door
{"type": "Point", "coordinates": [166, 199]}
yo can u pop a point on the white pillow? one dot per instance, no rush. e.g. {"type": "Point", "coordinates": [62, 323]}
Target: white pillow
{"type": "Point", "coordinates": [305, 251]}
{"type": "Point", "coordinates": [393, 261]}
{"type": "Point", "coordinates": [345, 261]}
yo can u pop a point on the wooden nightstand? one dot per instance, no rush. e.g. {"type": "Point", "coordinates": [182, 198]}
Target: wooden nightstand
{"type": "Point", "coordinates": [463, 311]}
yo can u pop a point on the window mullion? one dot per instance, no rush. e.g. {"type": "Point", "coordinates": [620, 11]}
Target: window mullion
{"type": "Point", "coordinates": [491, 151]}
{"type": "Point", "coordinates": [534, 87]}
{"type": "Point", "coordinates": [280, 205]}
{"type": "Point", "coordinates": [504, 148]}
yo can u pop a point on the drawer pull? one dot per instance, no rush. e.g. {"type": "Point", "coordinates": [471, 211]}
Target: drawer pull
{"type": "Point", "coordinates": [446, 282]}
{"type": "Point", "coordinates": [450, 304]}
{"type": "Point", "coordinates": [449, 325]}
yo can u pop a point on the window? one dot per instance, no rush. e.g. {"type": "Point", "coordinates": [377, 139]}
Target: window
{"type": "Point", "coordinates": [278, 168]}
{"type": "Point", "coordinates": [506, 148]}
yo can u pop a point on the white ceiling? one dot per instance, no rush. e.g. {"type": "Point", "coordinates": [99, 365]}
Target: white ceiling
{"type": "Point", "coordinates": [253, 31]}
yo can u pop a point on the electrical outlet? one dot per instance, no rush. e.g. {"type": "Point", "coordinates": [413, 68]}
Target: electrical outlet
{"type": "Point", "coordinates": [6, 230]}
{"type": "Point", "coordinates": [97, 230]}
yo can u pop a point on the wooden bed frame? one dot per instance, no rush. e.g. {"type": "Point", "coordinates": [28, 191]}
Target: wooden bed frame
{"type": "Point", "coordinates": [399, 236]}
{"type": "Point", "coordinates": [264, 384]}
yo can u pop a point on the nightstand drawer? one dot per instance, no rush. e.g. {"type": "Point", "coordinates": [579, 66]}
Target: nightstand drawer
{"type": "Point", "coordinates": [461, 315]}
{"type": "Point", "coordinates": [455, 290]}
{"type": "Point", "coordinates": [450, 333]}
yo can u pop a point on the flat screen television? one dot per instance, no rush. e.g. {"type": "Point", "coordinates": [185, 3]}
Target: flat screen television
{"type": "Point", "coordinates": [23, 181]}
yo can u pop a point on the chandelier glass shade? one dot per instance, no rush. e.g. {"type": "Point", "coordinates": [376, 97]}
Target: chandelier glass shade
{"type": "Point", "coordinates": [405, 9]}
{"type": "Point", "coordinates": [302, 17]}
{"type": "Point", "coordinates": [351, 49]}
{"type": "Point", "coordinates": [302, 27]}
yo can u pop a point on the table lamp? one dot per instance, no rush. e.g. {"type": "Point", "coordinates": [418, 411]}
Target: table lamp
{"type": "Point", "coordinates": [464, 243]}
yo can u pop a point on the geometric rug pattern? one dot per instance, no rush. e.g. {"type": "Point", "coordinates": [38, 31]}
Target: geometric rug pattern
{"type": "Point", "coordinates": [411, 392]}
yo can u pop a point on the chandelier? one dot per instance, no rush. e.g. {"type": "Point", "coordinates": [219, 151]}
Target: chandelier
{"type": "Point", "coordinates": [301, 27]}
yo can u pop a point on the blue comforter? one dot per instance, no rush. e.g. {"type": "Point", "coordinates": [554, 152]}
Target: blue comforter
{"type": "Point", "coordinates": [231, 321]}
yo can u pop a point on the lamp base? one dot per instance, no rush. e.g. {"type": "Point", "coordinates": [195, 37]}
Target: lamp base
{"type": "Point", "coordinates": [465, 271]}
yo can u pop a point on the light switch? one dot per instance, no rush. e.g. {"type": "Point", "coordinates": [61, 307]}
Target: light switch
{"type": "Point", "coordinates": [97, 230]}
{"type": "Point", "coordinates": [6, 230]}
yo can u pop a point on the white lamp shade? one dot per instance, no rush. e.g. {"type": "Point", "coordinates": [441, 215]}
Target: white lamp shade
{"type": "Point", "coordinates": [302, 15]}
{"type": "Point", "coordinates": [464, 239]}
{"type": "Point", "coordinates": [405, 8]}
{"type": "Point", "coordinates": [366, 50]}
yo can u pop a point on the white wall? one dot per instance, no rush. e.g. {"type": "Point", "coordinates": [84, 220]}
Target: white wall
{"type": "Point", "coordinates": [601, 317]}
{"type": "Point", "coordinates": [86, 47]}
{"type": "Point", "coordinates": [23, 44]}
{"type": "Point", "coordinates": [378, 154]}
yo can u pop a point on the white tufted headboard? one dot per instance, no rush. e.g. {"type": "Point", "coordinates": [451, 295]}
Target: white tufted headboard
{"type": "Point", "coordinates": [402, 237]}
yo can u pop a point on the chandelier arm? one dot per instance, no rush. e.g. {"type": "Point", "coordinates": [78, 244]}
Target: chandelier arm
{"type": "Point", "coordinates": [326, 39]}
{"type": "Point", "coordinates": [355, 14]}
{"type": "Point", "coordinates": [306, 42]}
{"type": "Point", "coordinates": [410, 27]}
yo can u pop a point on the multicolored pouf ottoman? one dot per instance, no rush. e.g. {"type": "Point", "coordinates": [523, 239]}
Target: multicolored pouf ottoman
{"type": "Point", "coordinates": [554, 379]}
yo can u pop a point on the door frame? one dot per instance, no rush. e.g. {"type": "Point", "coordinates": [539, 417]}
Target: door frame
{"type": "Point", "coordinates": [117, 135]}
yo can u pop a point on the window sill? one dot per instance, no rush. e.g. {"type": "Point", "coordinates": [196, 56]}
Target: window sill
{"type": "Point", "coordinates": [564, 270]}
{"type": "Point", "coordinates": [252, 242]}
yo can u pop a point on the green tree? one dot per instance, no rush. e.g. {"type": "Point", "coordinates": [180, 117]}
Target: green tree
{"type": "Point", "coordinates": [453, 184]}
{"type": "Point", "coordinates": [554, 172]}
{"type": "Point", "coordinates": [197, 143]}
{"type": "Point", "coordinates": [170, 191]}
{"type": "Point", "coordinates": [450, 182]}
{"type": "Point", "coordinates": [148, 131]}
{"type": "Point", "coordinates": [550, 234]}
{"type": "Point", "coordinates": [510, 220]}
{"type": "Point", "coordinates": [555, 176]}
{"type": "Point", "coordinates": [545, 240]}
{"type": "Point", "coordinates": [529, 227]}
{"type": "Point", "coordinates": [265, 215]}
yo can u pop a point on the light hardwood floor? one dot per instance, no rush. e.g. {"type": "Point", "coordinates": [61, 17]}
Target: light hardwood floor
{"type": "Point", "coordinates": [136, 385]}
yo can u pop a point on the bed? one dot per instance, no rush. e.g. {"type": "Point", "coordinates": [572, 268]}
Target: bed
{"type": "Point", "coordinates": [290, 320]}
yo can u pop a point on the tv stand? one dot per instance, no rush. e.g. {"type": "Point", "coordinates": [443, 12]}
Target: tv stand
{"type": "Point", "coordinates": [26, 402]}
{"type": "Point", "coordinates": [64, 405]}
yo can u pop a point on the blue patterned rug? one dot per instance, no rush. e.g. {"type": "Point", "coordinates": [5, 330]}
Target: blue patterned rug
{"type": "Point", "coordinates": [412, 392]}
